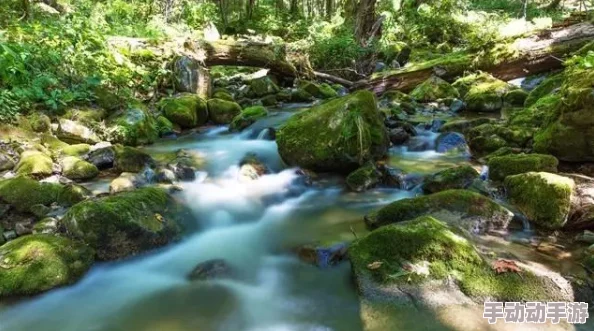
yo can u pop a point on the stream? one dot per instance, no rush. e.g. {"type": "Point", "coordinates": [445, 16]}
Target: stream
{"type": "Point", "coordinates": [253, 226]}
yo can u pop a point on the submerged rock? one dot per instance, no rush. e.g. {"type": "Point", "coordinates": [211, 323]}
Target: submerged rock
{"type": "Point", "coordinates": [543, 197]}
{"type": "Point", "coordinates": [502, 166]}
{"type": "Point", "coordinates": [36, 263]}
{"type": "Point", "coordinates": [452, 142]}
{"type": "Point", "coordinates": [323, 257]}
{"type": "Point", "coordinates": [124, 224]}
{"type": "Point", "coordinates": [460, 177]}
{"type": "Point", "coordinates": [464, 208]}
{"type": "Point", "coordinates": [211, 269]}
{"type": "Point", "coordinates": [339, 135]}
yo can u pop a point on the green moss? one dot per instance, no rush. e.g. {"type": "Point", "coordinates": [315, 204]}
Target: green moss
{"type": "Point", "coordinates": [363, 178]}
{"type": "Point", "coordinates": [34, 163]}
{"type": "Point", "coordinates": [269, 100]}
{"type": "Point", "coordinates": [86, 116]}
{"type": "Point", "coordinates": [456, 206]}
{"type": "Point", "coordinates": [186, 110]}
{"type": "Point", "coordinates": [134, 126]}
{"type": "Point", "coordinates": [76, 169]}
{"type": "Point", "coordinates": [453, 178]}
{"type": "Point", "coordinates": [284, 95]}
{"type": "Point", "coordinates": [300, 95]}
{"type": "Point", "coordinates": [37, 263]}
{"type": "Point", "coordinates": [76, 150]}
{"type": "Point", "coordinates": [222, 111]}
{"type": "Point", "coordinates": [502, 166]}
{"type": "Point", "coordinates": [130, 159]}
{"type": "Point", "coordinates": [39, 122]}
{"type": "Point", "coordinates": [545, 88]}
{"type": "Point", "coordinates": [22, 193]}
{"type": "Point", "coordinates": [327, 92]}
{"type": "Point", "coordinates": [482, 92]}
{"type": "Point", "coordinates": [123, 224]}
{"type": "Point", "coordinates": [539, 114]}
{"type": "Point", "coordinates": [339, 135]}
{"type": "Point", "coordinates": [463, 125]}
{"type": "Point", "coordinates": [164, 126]}
{"type": "Point", "coordinates": [432, 89]}
{"type": "Point", "coordinates": [515, 97]}
{"type": "Point", "coordinates": [247, 117]}
{"type": "Point", "coordinates": [543, 197]}
{"type": "Point", "coordinates": [221, 94]}
{"type": "Point", "coordinates": [449, 254]}
{"type": "Point", "coordinates": [453, 62]}
{"type": "Point", "coordinates": [487, 138]}
{"type": "Point", "coordinates": [262, 86]}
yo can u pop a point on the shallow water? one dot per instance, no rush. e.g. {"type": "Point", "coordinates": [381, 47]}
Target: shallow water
{"type": "Point", "coordinates": [253, 226]}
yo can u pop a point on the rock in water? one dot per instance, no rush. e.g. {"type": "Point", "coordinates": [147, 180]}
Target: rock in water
{"type": "Point", "coordinates": [452, 142]}
{"type": "Point", "coordinates": [339, 135]}
{"type": "Point", "coordinates": [211, 269]}
{"type": "Point", "coordinates": [102, 158]}
{"type": "Point", "coordinates": [454, 178]}
{"type": "Point", "coordinates": [364, 178]}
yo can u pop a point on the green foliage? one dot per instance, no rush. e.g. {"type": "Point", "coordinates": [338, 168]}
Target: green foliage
{"type": "Point", "coordinates": [334, 48]}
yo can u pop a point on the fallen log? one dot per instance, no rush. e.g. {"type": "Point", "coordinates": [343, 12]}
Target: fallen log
{"type": "Point", "coordinates": [333, 79]}
{"type": "Point", "coordinates": [525, 56]}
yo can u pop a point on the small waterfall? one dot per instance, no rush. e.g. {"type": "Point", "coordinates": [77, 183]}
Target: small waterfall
{"type": "Point", "coordinates": [265, 134]}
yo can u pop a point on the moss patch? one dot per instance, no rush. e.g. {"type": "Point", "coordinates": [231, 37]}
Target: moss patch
{"type": "Point", "coordinates": [34, 163]}
{"type": "Point", "coordinates": [544, 89]}
{"type": "Point", "coordinates": [363, 178]}
{"type": "Point", "coordinates": [186, 110]}
{"type": "Point", "coordinates": [37, 263]}
{"type": "Point", "coordinates": [247, 117]}
{"type": "Point", "coordinates": [543, 197]}
{"type": "Point", "coordinates": [432, 89]}
{"type": "Point", "coordinates": [453, 178]}
{"type": "Point", "coordinates": [23, 192]}
{"type": "Point", "coordinates": [133, 127]}
{"type": "Point", "coordinates": [76, 169]}
{"type": "Point", "coordinates": [222, 111]}
{"type": "Point", "coordinates": [130, 159]}
{"type": "Point", "coordinates": [502, 166]}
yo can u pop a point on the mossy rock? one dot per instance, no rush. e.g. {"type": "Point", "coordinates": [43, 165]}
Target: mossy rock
{"type": "Point", "coordinates": [327, 92]}
{"type": "Point", "coordinates": [460, 177]}
{"type": "Point", "coordinates": [74, 132]}
{"type": "Point", "coordinates": [502, 166]}
{"type": "Point", "coordinates": [323, 91]}
{"type": "Point", "coordinates": [261, 87]}
{"type": "Point", "coordinates": [133, 127]}
{"type": "Point", "coordinates": [77, 169]}
{"type": "Point", "coordinates": [77, 150]}
{"type": "Point", "coordinates": [364, 178]}
{"type": "Point", "coordinates": [539, 114]}
{"type": "Point", "coordinates": [482, 92]}
{"type": "Point", "coordinates": [222, 111]}
{"type": "Point", "coordinates": [284, 95]}
{"type": "Point", "coordinates": [463, 125]}
{"type": "Point", "coordinates": [544, 198]}
{"type": "Point", "coordinates": [22, 193]}
{"type": "Point", "coordinates": [463, 208]}
{"type": "Point", "coordinates": [222, 94]}
{"type": "Point", "coordinates": [130, 159]}
{"type": "Point", "coordinates": [515, 97]}
{"type": "Point", "coordinates": [432, 89]}
{"type": "Point", "coordinates": [487, 138]}
{"type": "Point", "coordinates": [247, 117]}
{"type": "Point", "coordinates": [164, 126]}
{"type": "Point", "coordinates": [546, 88]}
{"type": "Point", "coordinates": [301, 95]}
{"type": "Point", "coordinates": [339, 135]}
{"type": "Point", "coordinates": [36, 263]}
{"type": "Point", "coordinates": [186, 110]}
{"type": "Point", "coordinates": [85, 115]}
{"type": "Point", "coordinates": [124, 224]}
{"type": "Point", "coordinates": [35, 164]}
{"type": "Point", "coordinates": [269, 100]}
{"type": "Point", "coordinates": [39, 122]}
{"type": "Point", "coordinates": [449, 255]}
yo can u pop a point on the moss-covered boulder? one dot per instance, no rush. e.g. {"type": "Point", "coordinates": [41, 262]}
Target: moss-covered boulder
{"type": "Point", "coordinates": [77, 169]}
{"type": "Point", "coordinates": [222, 111]}
{"type": "Point", "coordinates": [164, 126]}
{"type": "Point", "coordinates": [546, 88]}
{"type": "Point", "coordinates": [262, 86]}
{"type": "Point", "coordinates": [269, 100]}
{"type": "Point", "coordinates": [222, 94]}
{"type": "Point", "coordinates": [186, 110]}
{"type": "Point", "coordinates": [515, 97]}
{"type": "Point", "coordinates": [432, 89]}
{"type": "Point", "coordinates": [364, 178]}
{"type": "Point", "coordinates": [130, 159]}
{"type": "Point", "coordinates": [76, 132]}
{"type": "Point", "coordinates": [247, 117]}
{"type": "Point", "coordinates": [538, 114]}
{"type": "Point", "coordinates": [39, 122]}
{"type": "Point", "coordinates": [502, 166]}
{"type": "Point", "coordinates": [468, 209]}
{"type": "Point", "coordinates": [482, 92]}
{"type": "Point", "coordinates": [544, 198]}
{"type": "Point", "coordinates": [301, 95]}
{"type": "Point", "coordinates": [323, 91]}
{"type": "Point", "coordinates": [134, 126]}
{"type": "Point", "coordinates": [124, 224]}
{"type": "Point", "coordinates": [460, 177]}
{"type": "Point", "coordinates": [22, 193]}
{"type": "Point", "coordinates": [36, 263]}
{"type": "Point", "coordinates": [6, 161]}
{"type": "Point", "coordinates": [487, 138]}
{"type": "Point", "coordinates": [35, 164]}
{"type": "Point", "coordinates": [85, 115]}
{"type": "Point", "coordinates": [421, 257]}
{"type": "Point", "coordinates": [77, 150]}
{"type": "Point", "coordinates": [339, 135]}
{"type": "Point", "coordinates": [463, 125]}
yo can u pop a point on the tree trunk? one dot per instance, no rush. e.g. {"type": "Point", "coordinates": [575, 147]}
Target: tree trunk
{"type": "Point", "coordinates": [364, 20]}
{"type": "Point", "coordinates": [26, 9]}
{"type": "Point", "coordinates": [532, 55]}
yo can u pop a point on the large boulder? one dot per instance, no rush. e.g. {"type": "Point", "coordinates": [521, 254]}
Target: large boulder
{"type": "Point", "coordinates": [247, 117]}
{"type": "Point", "coordinates": [460, 177]}
{"type": "Point", "coordinates": [502, 166]}
{"type": "Point", "coordinates": [339, 135]}
{"type": "Point", "coordinates": [36, 263]}
{"type": "Point", "coordinates": [543, 197]}
{"type": "Point", "coordinates": [133, 127]}
{"type": "Point", "coordinates": [222, 111]}
{"type": "Point", "coordinates": [77, 169]}
{"type": "Point", "coordinates": [426, 262]}
{"type": "Point", "coordinates": [75, 132]}
{"type": "Point", "coordinates": [432, 89]}
{"type": "Point", "coordinates": [482, 92]}
{"type": "Point", "coordinates": [464, 208]}
{"type": "Point", "coordinates": [124, 224]}
{"type": "Point", "coordinates": [35, 164]}
{"type": "Point", "coordinates": [190, 76]}
{"type": "Point", "coordinates": [186, 110]}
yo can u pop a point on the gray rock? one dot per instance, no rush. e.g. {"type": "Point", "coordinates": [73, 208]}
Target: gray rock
{"type": "Point", "coordinates": [211, 269]}
{"type": "Point", "coordinates": [6, 162]}
{"type": "Point", "coordinates": [9, 235]}
{"type": "Point", "coordinates": [102, 158]}
{"type": "Point", "coordinates": [451, 142]}
{"type": "Point", "coordinates": [398, 136]}
{"type": "Point", "coordinates": [74, 132]}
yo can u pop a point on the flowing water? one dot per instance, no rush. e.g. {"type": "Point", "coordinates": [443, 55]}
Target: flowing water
{"type": "Point", "coordinates": [253, 226]}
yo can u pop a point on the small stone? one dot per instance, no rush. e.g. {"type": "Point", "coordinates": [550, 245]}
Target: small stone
{"type": "Point", "coordinates": [10, 235]}
{"type": "Point", "coordinates": [211, 269]}
{"type": "Point", "coordinates": [22, 229]}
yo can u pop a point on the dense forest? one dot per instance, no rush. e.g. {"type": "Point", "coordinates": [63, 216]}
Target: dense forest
{"type": "Point", "coordinates": [295, 164]}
